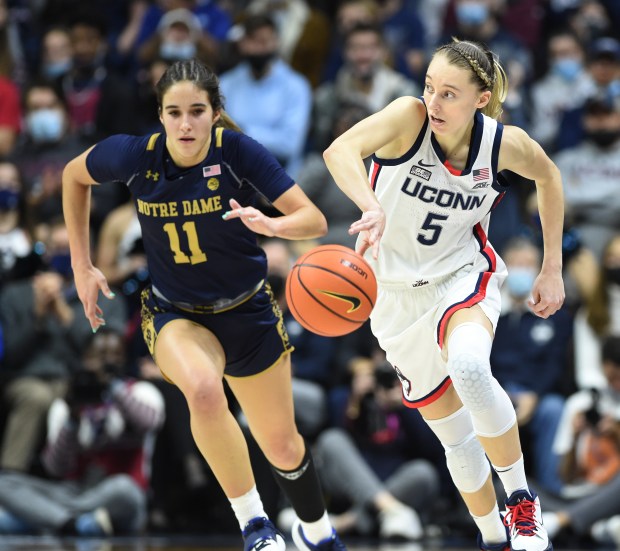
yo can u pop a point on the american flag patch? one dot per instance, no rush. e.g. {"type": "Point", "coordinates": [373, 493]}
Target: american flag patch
{"type": "Point", "coordinates": [214, 170]}
{"type": "Point", "coordinates": [480, 174]}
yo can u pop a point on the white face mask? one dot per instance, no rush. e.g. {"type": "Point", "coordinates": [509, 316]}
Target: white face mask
{"type": "Point", "coordinates": [520, 281]}
{"type": "Point", "coordinates": [45, 125]}
{"type": "Point", "coordinates": [177, 50]}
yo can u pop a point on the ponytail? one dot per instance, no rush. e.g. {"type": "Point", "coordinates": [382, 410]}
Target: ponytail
{"type": "Point", "coordinates": [227, 122]}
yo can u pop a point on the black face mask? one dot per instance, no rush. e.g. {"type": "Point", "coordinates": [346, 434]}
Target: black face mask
{"type": "Point", "coordinates": [259, 62]}
{"type": "Point", "coordinates": [613, 275]}
{"type": "Point", "coordinates": [604, 138]}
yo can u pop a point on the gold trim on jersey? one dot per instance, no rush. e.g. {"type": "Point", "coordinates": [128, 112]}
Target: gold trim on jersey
{"type": "Point", "coordinates": [151, 145]}
{"type": "Point", "coordinates": [218, 136]}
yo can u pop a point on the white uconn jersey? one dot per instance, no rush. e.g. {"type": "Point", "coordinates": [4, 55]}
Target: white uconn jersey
{"type": "Point", "coordinates": [437, 216]}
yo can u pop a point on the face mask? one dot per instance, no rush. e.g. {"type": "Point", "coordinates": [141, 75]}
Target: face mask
{"type": "Point", "coordinates": [259, 62]}
{"type": "Point", "coordinates": [177, 50]}
{"type": "Point", "coordinates": [471, 14]}
{"type": "Point", "coordinates": [45, 125]}
{"type": "Point", "coordinates": [567, 68]}
{"type": "Point", "coordinates": [520, 281]}
{"type": "Point", "coordinates": [9, 199]}
{"type": "Point", "coordinates": [613, 275]}
{"type": "Point", "coordinates": [56, 68]}
{"type": "Point", "coordinates": [603, 138]}
{"type": "Point", "coordinates": [366, 74]}
{"type": "Point", "coordinates": [61, 263]}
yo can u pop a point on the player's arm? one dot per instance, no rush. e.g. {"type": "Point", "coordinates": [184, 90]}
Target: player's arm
{"type": "Point", "coordinates": [76, 182]}
{"type": "Point", "coordinates": [390, 133]}
{"type": "Point", "coordinates": [301, 218]}
{"type": "Point", "coordinates": [521, 154]}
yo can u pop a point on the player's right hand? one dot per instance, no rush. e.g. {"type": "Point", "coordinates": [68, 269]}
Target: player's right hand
{"type": "Point", "coordinates": [370, 227]}
{"type": "Point", "coordinates": [88, 282]}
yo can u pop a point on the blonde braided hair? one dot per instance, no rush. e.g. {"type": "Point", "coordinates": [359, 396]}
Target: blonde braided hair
{"type": "Point", "coordinates": [486, 71]}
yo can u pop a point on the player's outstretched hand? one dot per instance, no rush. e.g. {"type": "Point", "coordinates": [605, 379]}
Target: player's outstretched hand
{"type": "Point", "coordinates": [88, 282]}
{"type": "Point", "coordinates": [547, 293]}
{"type": "Point", "coordinates": [370, 227]}
{"type": "Point", "coordinates": [252, 218]}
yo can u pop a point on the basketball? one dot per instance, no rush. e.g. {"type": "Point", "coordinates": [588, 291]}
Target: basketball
{"type": "Point", "coordinates": [331, 290]}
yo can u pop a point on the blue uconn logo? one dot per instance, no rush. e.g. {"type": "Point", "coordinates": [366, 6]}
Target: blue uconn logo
{"type": "Point", "coordinates": [442, 197]}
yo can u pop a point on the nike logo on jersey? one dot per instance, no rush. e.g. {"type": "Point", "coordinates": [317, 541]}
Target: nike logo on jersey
{"type": "Point", "coordinates": [353, 301]}
{"type": "Point", "coordinates": [422, 163]}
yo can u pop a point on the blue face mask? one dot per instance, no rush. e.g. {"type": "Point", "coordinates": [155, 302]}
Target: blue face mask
{"type": "Point", "coordinates": [520, 281]}
{"type": "Point", "coordinates": [9, 199]}
{"type": "Point", "coordinates": [45, 125]}
{"type": "Point", "coordinates": [567, 68]}
{"type": "Point", "coordinates": [177, 50]}
{"type": "Point", "coordinates": [61, 263]}
{"type": "Point", "coordinates": [472, 14]}
{"type": "Point", "coordinates": [54, 69]}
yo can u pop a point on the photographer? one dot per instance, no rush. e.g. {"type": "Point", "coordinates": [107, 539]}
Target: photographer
{"type": "Point", "coordinates": [588, 439]}
{"type": "Point", "coordinates": [367, 460]}
{"type": "Point", "coordinates": [96, 458]}
{"type": "Point", "coordinates": [44, 332]}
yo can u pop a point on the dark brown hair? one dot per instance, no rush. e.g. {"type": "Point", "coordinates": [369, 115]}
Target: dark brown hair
{"type": "Point", "coordinates": [203, 78]}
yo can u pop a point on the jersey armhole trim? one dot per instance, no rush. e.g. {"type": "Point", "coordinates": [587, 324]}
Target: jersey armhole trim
{"type": "Point", "coordinates": [151, 144]}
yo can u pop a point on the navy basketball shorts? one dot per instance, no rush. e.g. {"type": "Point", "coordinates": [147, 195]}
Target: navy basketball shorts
{"type": "Point", "coordinates": [252, 334]}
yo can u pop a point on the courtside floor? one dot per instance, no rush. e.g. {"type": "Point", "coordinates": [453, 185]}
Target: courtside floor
{"type": "Point", "coordinates": [180, 543]}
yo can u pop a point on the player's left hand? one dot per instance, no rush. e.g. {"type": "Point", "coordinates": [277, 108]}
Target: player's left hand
{"type": "Point", "coordinates": [252, 218]}
{"type": "Point", "coordinates": [547, 293]}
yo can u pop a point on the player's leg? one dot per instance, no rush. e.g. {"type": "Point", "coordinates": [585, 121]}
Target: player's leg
{"type": "Point", "coordinates": [468, 466]}
{"type": "Point", "coordinates": [469, 340]}
{"type": "Point", "coordinates": [193, 359]}
{"type": "Point", "coordinates": [267, 401]}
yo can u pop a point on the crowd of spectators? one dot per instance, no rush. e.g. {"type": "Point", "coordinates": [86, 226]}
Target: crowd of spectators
{"type": "Point", "coordinates": [92, 437]}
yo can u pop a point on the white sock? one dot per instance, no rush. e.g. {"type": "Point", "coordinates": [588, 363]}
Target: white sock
{"type": "Point", "coordinates": [318, 530]}
{"type": "Point", "coordinates": [247, 507]}
{"type": "Point", "coordinates": [491, 527]}
{"type": "Point", "coordinates": [513, 477]}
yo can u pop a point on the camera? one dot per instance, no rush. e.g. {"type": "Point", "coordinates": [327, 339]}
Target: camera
{"type": "Point", "coordinates": [592, 415]}
{"type": "Point", "coordinates": [571, 244]}
{"type": "Point", "coordinates": [385, 376]}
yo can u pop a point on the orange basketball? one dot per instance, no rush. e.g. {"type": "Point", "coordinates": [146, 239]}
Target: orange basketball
{"type": "Point", "coordinates": [331, 290]}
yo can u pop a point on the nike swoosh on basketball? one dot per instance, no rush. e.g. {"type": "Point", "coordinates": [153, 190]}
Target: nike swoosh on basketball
{"type": "Point", "coordinates": [354, 301]}
{"type": "Point", "coordinates": [422, 163]}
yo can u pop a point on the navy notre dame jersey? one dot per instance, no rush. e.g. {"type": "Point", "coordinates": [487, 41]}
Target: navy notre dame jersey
{"type": "Point", "coordinates": [193, 254]}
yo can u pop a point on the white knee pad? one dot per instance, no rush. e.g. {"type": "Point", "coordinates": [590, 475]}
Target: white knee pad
{"type": "Point", "coordinates": [465, 458]}
{"type": "Point", "coordinates": [469, 348]}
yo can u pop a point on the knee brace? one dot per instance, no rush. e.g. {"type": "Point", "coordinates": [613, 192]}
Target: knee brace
{"type": "Point", "coordinates": [492, 411]}
{"type": "Point", "coordinates": [465, 458]}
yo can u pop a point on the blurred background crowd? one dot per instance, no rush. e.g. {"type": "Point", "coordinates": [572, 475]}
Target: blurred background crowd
{"type": "Point", "coordinates": [94, 442]}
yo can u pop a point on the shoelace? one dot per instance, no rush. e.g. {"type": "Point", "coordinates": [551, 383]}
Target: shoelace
{"type": "Point", "coordinates": [522, 517]}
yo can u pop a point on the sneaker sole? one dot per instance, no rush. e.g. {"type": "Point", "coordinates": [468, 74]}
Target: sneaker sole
{"type": "Point", "coordinates": [549, 548]}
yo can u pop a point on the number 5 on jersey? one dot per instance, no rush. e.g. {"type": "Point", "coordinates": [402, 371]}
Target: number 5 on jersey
{"type": "Point", "coordinates": [431, 229]}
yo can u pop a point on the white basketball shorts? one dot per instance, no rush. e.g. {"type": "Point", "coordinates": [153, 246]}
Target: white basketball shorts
{"type": "Point", "coordinates": [410, 323]}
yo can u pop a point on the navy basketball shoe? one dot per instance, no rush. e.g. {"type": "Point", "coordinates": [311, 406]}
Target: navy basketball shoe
{"type": "Point", "coordinates": [260, 534]}
{"type": "Point", "coordinates": [332, 543]}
